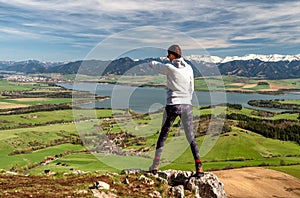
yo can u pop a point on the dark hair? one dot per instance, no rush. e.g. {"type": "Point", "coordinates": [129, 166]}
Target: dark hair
{"type": "Point", "coordinates": [175, 50]}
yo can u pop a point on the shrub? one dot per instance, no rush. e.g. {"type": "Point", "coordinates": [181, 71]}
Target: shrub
{"type": "Point", "coordinates": [264, 164]}
{"type": "Point", "coordinates": [282, 163]}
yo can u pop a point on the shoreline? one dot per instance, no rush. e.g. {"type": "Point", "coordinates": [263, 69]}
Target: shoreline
{"type": "Point", "coordinates": [271, 92]}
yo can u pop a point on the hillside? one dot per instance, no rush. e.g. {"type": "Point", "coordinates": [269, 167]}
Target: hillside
{"type": "Point", "coordinates": [63, 151]}
{"type": "Point", "coordinates": [28, 139]}
{"type": "Point", "coordinates": [255, 66]}
{"type": "Point", "coordinates": [261, 69]}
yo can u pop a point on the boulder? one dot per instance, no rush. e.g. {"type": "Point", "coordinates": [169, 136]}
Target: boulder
{"type": "Point", "coordinates": [131, 171]}
{"type": "Point", "coordinates": [155, 194]}
{"type": "Point", "coordinates": [102, 185]}
{"type": "Point", "coordinates": [177, 191]}
{"type": "Point", "coordinates": [98, 194]}
{"type": "Point", "coordinates": [146, 180]}
{"type": "Point", "coordinates": [205, 186]}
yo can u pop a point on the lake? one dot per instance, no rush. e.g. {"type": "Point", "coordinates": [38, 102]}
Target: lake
{"type": "Point", "coordinates": [147, 99]}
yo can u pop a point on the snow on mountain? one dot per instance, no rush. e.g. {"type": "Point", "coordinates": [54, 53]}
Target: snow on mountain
{"type": "Point", "coordinates": [265, 58]}
{"type": "Point", "coordinates": [204, 58]}
{"type": "Point", "coordinates": [276, 58]}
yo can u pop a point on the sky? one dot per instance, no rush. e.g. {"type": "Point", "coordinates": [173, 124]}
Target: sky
{"type": "Point", "coordinates": [68, 30]}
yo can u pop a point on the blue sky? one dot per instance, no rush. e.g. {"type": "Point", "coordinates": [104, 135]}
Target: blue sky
{"type": "Point", "coordinates": [67, 30]}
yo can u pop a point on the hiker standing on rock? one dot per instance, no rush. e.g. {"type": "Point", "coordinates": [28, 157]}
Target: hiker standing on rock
{"type": "Point", "coordinates": [180, 88]}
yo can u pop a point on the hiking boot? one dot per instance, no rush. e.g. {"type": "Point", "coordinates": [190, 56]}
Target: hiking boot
{"type": "Point", "coordinates": [153, 169]}
{"type": "Point", "coordinates": [199, 170]}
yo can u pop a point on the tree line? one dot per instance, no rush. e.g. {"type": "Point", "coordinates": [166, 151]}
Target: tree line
{"type": "Point", "coordinates": [275, 104]}
{"type": "Point", "coordinates": [281, 129]}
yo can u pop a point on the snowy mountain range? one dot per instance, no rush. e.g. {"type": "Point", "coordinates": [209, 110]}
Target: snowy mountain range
{"type": "Point", "coordinates": [264, 58]}
{"type": "Point", "coordinates": [273, 66]}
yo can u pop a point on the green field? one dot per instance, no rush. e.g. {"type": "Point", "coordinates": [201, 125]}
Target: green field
{"type": "Point", "coordinates": [296, 102]}
{"type": "Point", "coordinates": [239, 148]}
{"type": "Point", "coordinates": [236, 149]}
{"type": "Point", "coordinates": [38, 102]}
{"type": "Point", "coordinates": [18, 86]}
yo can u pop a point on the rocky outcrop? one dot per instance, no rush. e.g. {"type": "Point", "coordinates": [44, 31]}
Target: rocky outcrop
{"type": "Point", "coordinates": [208, 185]}
{"type": "Point", "coordinates": [205, 186]}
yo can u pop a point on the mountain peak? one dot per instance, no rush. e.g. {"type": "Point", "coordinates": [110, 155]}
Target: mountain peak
{"type": "Point", "coordinates": [264, 58]}
{"type": "Point", "coordinates": [204, 58]}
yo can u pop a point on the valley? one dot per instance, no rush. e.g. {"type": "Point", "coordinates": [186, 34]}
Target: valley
{"type": "Point", "coordinates": [45, 138]}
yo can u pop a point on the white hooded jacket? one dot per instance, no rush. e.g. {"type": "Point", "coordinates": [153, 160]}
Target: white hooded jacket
{"type": "Point", "coordinates": [180, 80]}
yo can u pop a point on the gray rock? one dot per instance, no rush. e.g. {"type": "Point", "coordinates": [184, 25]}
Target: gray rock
{"type": "Point", "coordinates": [155, 194]}
{"type": "Point", "coordinates": [207, 186]}
{"type": "Point", "coordinates": [132, 171]}
{"type": "Point", "coordinates": [146, 180]}
{"type": "Point", "coordinates": [162, 180]}
{"type": "Point", "coordinates": [177, 177]}
{"type": "Point", "coordinates": [79, 172]}
{"type": "Point", "coordinates": [101, 194]}
{"type": "Point", "coordinates": [102, 185]}
{"type": "Point", "coordinates": [126, 181]}
{"type": "Point", "coordinates": [11, 173]}
{"type": "Point", "coordinates": [177, 191]}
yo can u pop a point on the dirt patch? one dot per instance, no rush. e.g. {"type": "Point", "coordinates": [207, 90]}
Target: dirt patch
{"type": "Point", "coordinates": [277, 87]}
{"type": "Point", "coordinates": [270, 90]}
{"type": "Point", "coordinates": [29, 99]}
{"type": "Point", "coordinates": [258, 182]}
{"type": "Point", "coordinates": [237, 84]}
{"type": "Point", "coordinates": [248, 86]}
{"type": "Point", "coordinates": [7, 105]}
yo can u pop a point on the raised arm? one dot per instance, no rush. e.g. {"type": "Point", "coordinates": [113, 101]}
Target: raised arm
{"type": "Point", "coordinates": [160, 67]}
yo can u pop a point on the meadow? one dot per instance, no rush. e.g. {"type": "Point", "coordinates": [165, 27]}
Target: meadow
{"type": "Point", "coordinates": [238, 148]}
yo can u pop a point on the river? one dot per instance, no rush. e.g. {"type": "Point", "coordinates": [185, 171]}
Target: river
{"type": "Point", "coordinates": [147, 99]}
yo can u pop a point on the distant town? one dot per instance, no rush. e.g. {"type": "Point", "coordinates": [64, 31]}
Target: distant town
{"type": "Point", "coordinates": [25, 78]}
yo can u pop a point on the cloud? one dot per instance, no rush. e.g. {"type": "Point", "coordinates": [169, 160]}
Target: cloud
{"type": "Point", "coordinates": [15, 33]}
{"type": "Point", "coordinates": [214, 24]}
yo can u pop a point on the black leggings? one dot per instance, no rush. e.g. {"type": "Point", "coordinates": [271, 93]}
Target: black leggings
{"type": "Point", "coordinates": [185, 112]}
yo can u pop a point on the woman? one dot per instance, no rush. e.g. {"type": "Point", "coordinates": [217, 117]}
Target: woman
{"type": "Point", "coordinates": [180, 88]}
